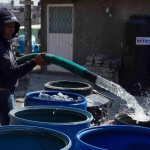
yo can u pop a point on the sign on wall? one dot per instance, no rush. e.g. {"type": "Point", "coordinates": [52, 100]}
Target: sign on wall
{"type": "Point", "coordinates": [142, 40]}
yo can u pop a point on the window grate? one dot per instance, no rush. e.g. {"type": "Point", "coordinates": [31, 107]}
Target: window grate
{"type": "Point", "coordinates": [60, 19]}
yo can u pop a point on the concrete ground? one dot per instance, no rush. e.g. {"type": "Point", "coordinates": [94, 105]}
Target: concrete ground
{"type": "Point", "coordinates": [37, 81]}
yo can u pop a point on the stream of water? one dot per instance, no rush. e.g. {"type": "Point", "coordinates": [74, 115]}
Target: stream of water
{"type": "Point", "coordinates": [138, 112]}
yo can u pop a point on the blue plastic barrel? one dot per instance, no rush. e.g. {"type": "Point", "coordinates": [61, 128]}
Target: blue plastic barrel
{"type": "Point", "coordinates": [32, 138]}
{"type": "Point", "coordinates": [33, 99]}
{"type": "Point", "coordinates": [113, 138]}
{"type": "Point", "coordinates": [64, 119]}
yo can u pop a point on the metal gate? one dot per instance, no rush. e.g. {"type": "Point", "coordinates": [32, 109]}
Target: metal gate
{"type": "Point", "coordinates": [60, 33]}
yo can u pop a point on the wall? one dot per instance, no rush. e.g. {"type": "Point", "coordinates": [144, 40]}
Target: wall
{"type": "Point", "coordinates": [94, 31]}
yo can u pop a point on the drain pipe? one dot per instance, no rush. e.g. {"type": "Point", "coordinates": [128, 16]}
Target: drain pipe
{"type": "Point", "coordinates": [64, 63]}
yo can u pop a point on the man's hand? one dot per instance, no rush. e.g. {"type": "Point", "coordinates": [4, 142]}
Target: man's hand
{"type": "Point", "coordinates": [111, 122]}
{"type": "Point", "coordinates": [39, 60]}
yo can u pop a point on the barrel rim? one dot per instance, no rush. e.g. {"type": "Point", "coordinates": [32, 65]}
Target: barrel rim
{"type": "Point", "coordinates": [83, 112]}
{"type": "Point", "coordinates": [48, 84]}
{"type": "Point", "coordinates": [112, 128]}
{"type": "Point", "coordinates": [71, 93]}
{"type": "Point", "coordinates": [41, 129]}
{"type": "Point", "coordinates": [120, 115]}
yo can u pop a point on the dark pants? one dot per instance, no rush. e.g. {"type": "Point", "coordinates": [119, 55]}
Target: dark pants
{"type": "Point", "coordinates": [7, 103]}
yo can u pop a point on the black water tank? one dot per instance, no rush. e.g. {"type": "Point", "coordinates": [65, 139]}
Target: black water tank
{"type": "Point", "coordinates": [136, 54]}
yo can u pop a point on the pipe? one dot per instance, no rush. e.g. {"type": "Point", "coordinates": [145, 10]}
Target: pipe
{"type": "Point", "coordinates": [64, 63]}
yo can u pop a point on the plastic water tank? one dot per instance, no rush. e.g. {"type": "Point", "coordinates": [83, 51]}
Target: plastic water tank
{"type": "Point", "coordinates": [70, 86]}
{"type": "Point", "coordinates": [113, 138]}
{"type": "Point", "coordinates": [32, 138]}
{"type": "Point", "coordinates": [32, 99]}
{"type": "Point", "coordinates": [67, 120]}
{"type": "Point", "coordinates": [136, 52]}
{"type": "Point", "coordinates": [124, 119]}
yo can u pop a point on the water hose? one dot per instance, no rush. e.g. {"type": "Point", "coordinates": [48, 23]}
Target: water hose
{"type": "Point", "coordinates": [64, 63]}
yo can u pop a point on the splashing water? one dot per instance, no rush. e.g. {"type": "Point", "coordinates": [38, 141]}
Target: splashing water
{"type": "Point", "coordinates": [132, 103]}
{"type": "Point", "coordinates": [59, 97]}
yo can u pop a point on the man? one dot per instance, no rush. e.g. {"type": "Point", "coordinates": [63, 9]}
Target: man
{"type": "Point", "coordinates": [9, 70]}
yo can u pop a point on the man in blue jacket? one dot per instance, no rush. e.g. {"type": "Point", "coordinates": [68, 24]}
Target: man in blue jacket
{"type": "Point", "coordinates": [9, 70]}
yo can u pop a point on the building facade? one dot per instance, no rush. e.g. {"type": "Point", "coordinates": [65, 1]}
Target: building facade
{"type": "Point", "coordinates": [75, 29]}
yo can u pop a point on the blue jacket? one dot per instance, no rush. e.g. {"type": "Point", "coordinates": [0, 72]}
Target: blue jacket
{"type": "Point", "coordinates": [9, 70]}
